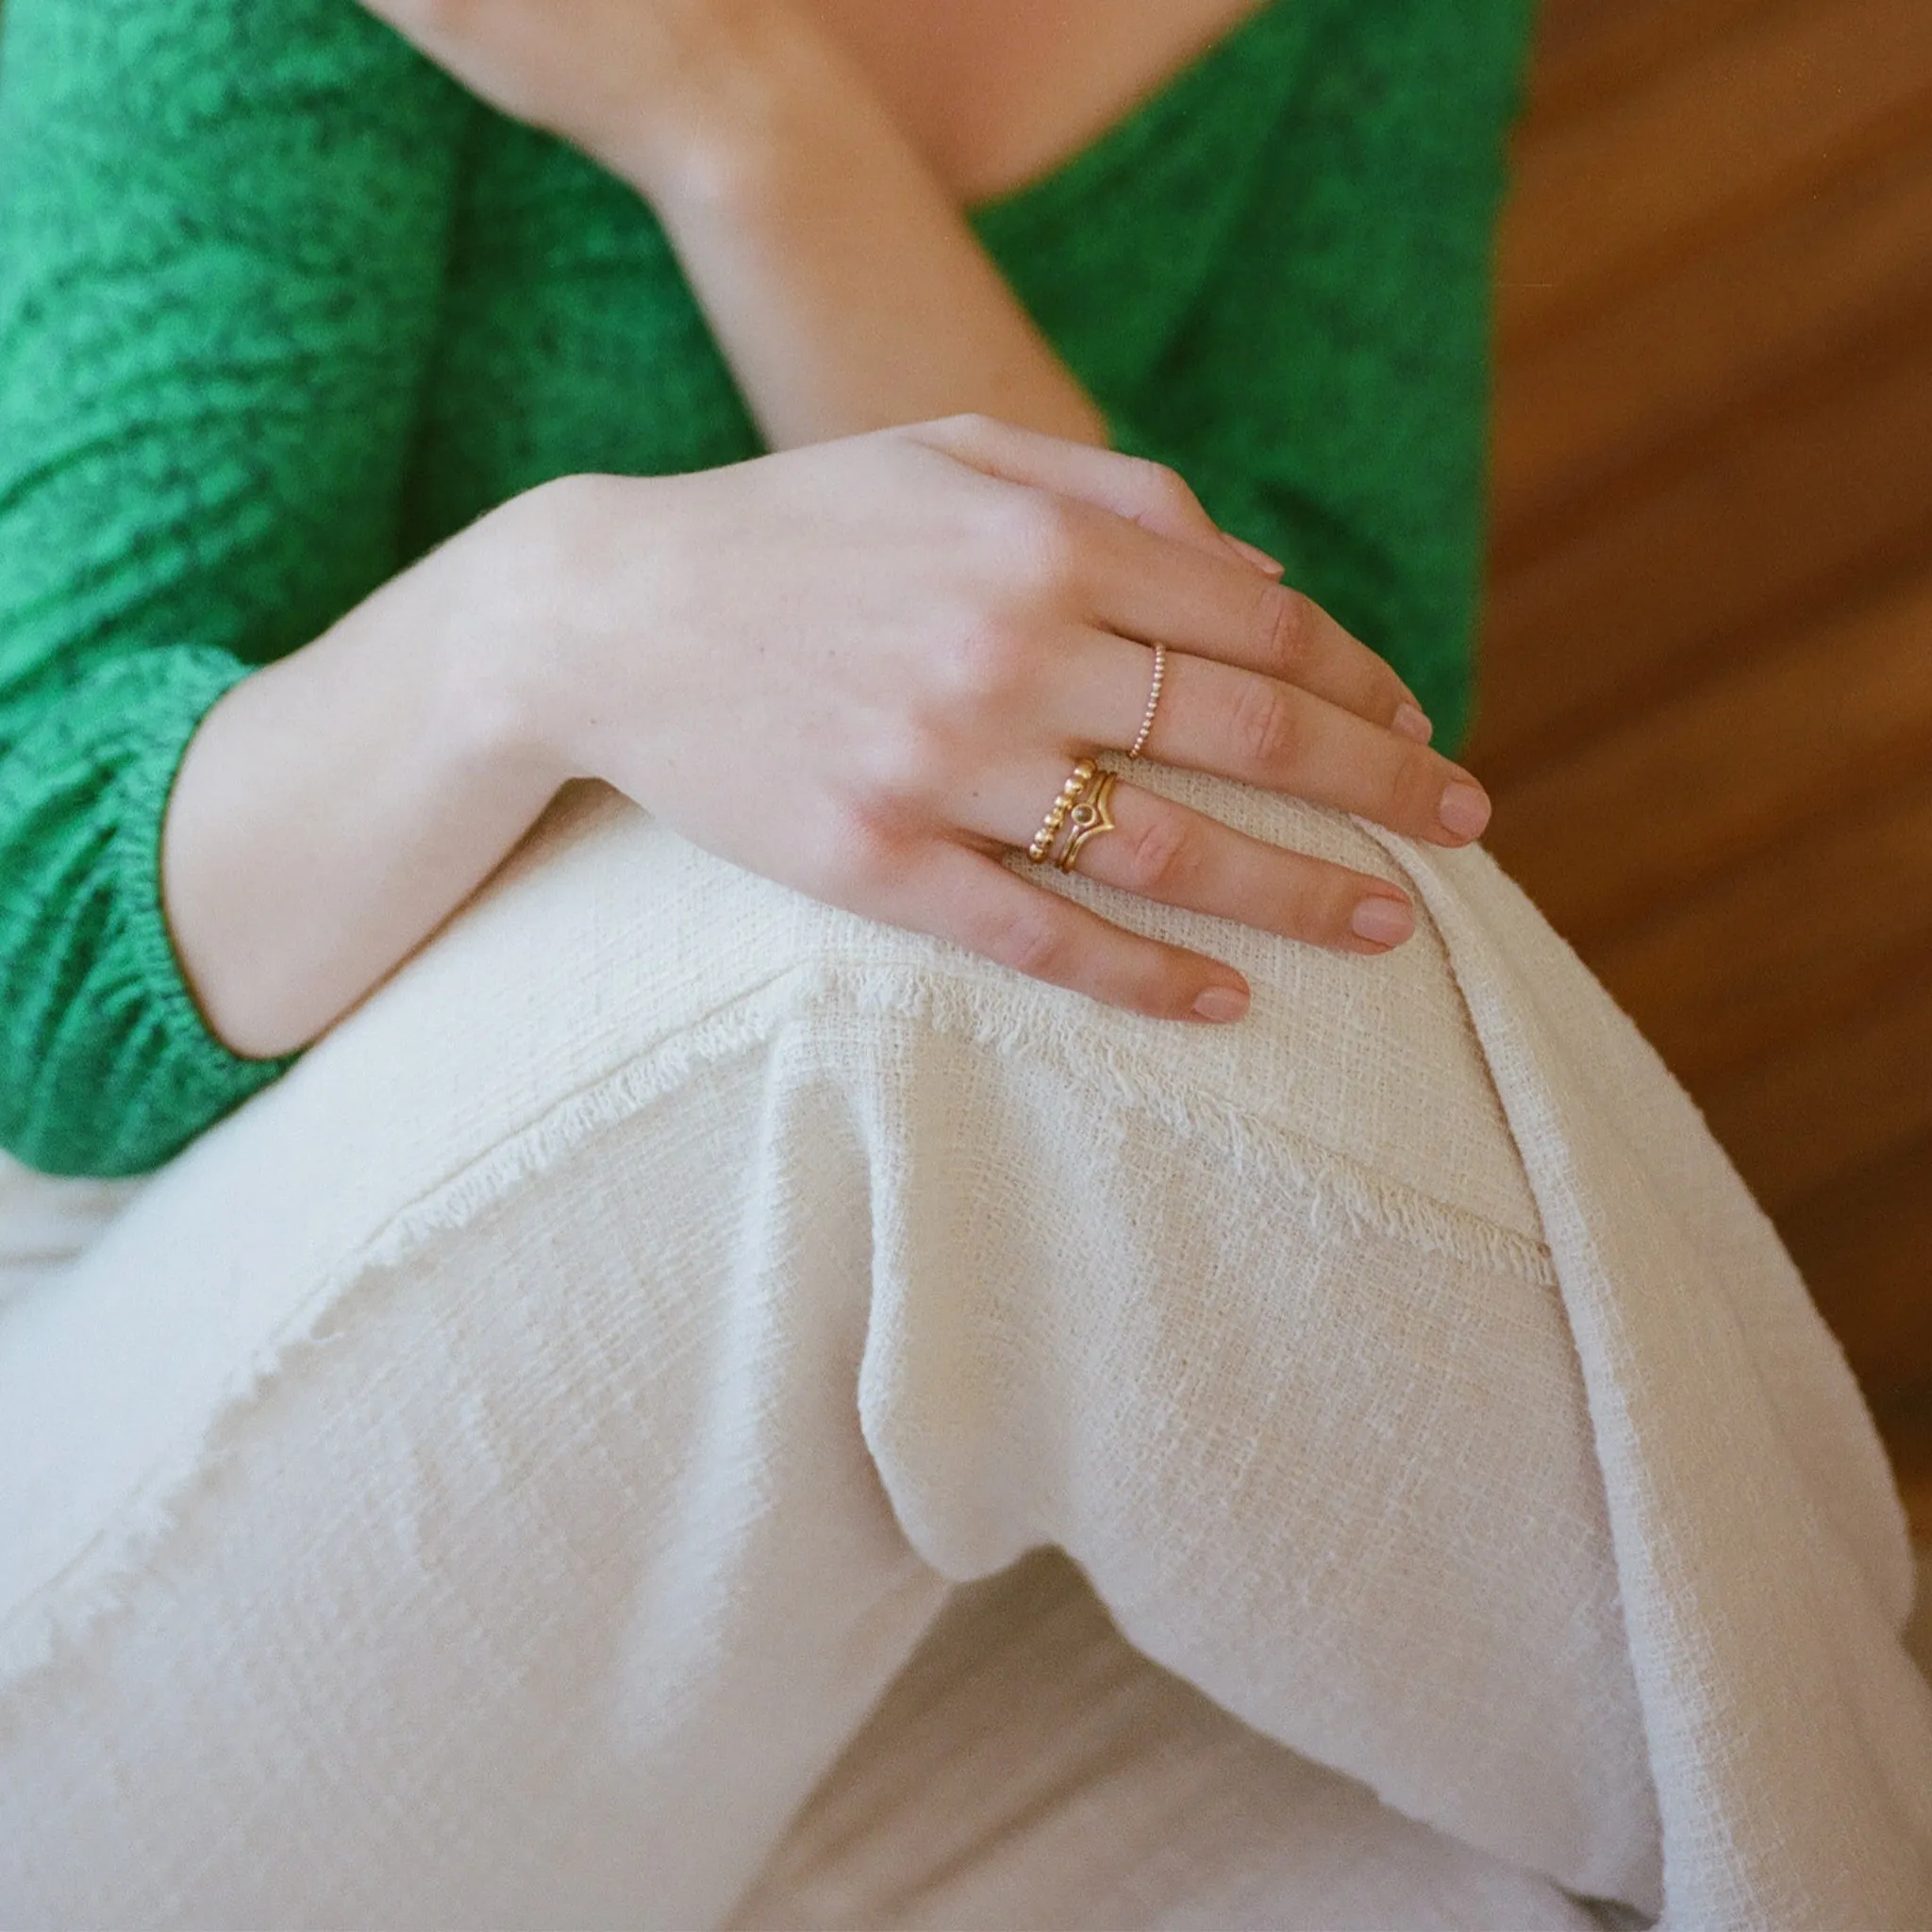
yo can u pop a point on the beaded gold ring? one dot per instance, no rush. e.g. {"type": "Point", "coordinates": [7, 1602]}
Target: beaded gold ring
{"type": "Point", "coordinates": [1077, 781]}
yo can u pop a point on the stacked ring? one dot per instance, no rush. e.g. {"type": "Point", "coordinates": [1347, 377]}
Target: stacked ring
{"type": "Point", "coordinates": [1088, 818]}
{"type": "Point", "coordinates": [1077, 781]}
{"type": "Point", "coordinates": [1080, 811]}
{"type": "Point", "coordinates": [1078, 814]}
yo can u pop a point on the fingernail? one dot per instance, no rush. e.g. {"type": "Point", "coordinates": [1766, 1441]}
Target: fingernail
{"type": "Point", "coordinates": [1411, 722]}
{"type": "Point", "coordinates": [1384, 921]}
{"type": "Point", "coordinates": [1250, 552]}
{"type": "Point", "coordinates": [1222, 1002]}
{"type": "Point", "coordinates": [1464, 809]}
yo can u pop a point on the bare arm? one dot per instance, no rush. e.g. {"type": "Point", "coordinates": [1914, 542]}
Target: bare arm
{"type": "Point", "coordinates": [336, 808]}
{"type": "Point", "coordinates": [846, 288]}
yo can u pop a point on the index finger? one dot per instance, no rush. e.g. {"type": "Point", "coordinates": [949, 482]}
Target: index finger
{"type": "Point", "coordinates": [1150, 563]}
{"type": "Point", "coordinates": [1144, 492]}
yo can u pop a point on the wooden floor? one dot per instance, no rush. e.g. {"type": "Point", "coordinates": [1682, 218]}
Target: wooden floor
{"type": "Point", "coordinates": [1707, 693]}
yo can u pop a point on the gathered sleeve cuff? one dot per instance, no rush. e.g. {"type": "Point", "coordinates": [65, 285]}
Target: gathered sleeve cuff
{"type": "Point", "coordinates": [106, 1064]}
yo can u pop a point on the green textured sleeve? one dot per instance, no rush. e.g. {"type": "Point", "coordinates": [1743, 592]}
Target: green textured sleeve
{"type": "Point", "coordinates": [222, 229]}
{"type": "Point", "coordinates": [1328, 393]}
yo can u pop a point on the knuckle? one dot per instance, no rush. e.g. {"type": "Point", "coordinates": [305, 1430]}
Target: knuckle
{"type": "Point", "coordinates": [1163, 855]}
{"type": "Point", "coordinates": [970, 427]}
{"type": "Point", "coordinates": [567, 532]}
{"type": "Point", "coordinates": [1165, 491]}
{"type": "Point", "coordinates": [1328, 903]}
{"type": "Point", "coordinates": [968, 437]}
{"type": "Point", "coordinates": [1027, 938]}
{"type": "Point", "coordinates": [856, 858]}
{"type": "Point", "coordinates": [990, 661]}
{"type": "Point", "coordinates": [1036, 540]}
{"type": "Point", "coordinates": [1310, 899]}
{"type": "Point", "coordinates": [1288, 629]}
{"type": "Point", "coordinates": [1416, 786]}
{"type": "Point", "coordinates": [876, 861]}
{"type": "Point", "coordinates": [1266, 727]}
{"type": "Point", "coordinates": [908, 762]}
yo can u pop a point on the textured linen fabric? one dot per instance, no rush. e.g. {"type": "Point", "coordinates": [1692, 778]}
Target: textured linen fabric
{"type": "Point", "coordinates": [1029, 1769]}
{"type": "Point", "coordinates": [281, 307]}
{"type": "Point", "coordinates": [628, 1344]}
{"type": "Point", "coordinates": [46, 1222]}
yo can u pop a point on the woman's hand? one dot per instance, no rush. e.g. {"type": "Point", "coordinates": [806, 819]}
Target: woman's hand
{"type": "Point", "coordinates": [865, 669]}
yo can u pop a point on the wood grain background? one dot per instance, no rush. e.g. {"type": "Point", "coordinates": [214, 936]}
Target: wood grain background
{"type": "Point", "coordinates": [1706, 708]}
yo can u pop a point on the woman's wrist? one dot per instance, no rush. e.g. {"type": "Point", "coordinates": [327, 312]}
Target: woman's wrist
{"type": "Point", "coordinates": [491, 600]}
{"type": "Point", "coordinates": [757, 85]}
{"type": "Point", "coordinates": [337, 805]}
{"type": "Point", "coordinates": [567, 574]}
{"type": "Point", "coordinates": [828, 256]}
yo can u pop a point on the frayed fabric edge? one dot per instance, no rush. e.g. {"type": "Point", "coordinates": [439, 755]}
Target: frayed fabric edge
{"type": "Point", "coordinates": [52, 1620]}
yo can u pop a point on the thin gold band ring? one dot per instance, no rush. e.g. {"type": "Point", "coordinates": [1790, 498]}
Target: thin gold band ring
{"type": "Point", "coordinates": [1088, 819]}
{"type": "Point", "coordinates": [1140, 744]}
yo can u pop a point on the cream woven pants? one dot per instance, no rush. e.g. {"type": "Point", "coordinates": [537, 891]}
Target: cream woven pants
{"type": "Point", "coordinates": [492, 1480]}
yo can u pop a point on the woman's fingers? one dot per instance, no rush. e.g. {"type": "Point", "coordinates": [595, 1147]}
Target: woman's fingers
{"type": "Point", "coordinates": [1241, 725]}
{"type": "Point", "coordinates": [1163, 850]}
{"type": "Point", "coordinates": [1262, 731]}
{"type": "Point", "coordinates": [1147, 561]}
{"type": "Point", "coordinates": [1142, 587]}
{"type": "Point", "coordinates": [1157, 499]}
{"type": "Point", "coordinates": [972, 899]}
{"type": "Point", "coordinates": [1182, 857]}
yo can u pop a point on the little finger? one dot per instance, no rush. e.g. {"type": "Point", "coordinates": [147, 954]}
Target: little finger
{"type": "Point", "coordinates": [972, 899]}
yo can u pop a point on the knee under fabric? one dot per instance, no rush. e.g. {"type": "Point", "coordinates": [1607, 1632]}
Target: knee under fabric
{"type": "Point", "coordinates": [493, 1476]}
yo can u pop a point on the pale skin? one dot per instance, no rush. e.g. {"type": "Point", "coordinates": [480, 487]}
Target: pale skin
{"type": "Point", "coordinates": [861, 666]}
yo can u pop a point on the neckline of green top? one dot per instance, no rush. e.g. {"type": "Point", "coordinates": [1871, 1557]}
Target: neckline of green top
{"type": "Point", "coordinates": [1117, 145]}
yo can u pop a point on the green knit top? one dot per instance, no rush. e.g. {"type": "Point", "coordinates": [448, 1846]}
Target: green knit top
{"type": "Point", "coordinates": [281, 307]}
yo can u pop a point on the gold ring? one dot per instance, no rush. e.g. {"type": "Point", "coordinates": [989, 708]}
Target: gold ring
{"type": "Point", "coordinates": [1088, 818]}
{"type": "Point", "coordinates": [1140, 744]}
{"type": "Point", "coordinates": [1077, 781]}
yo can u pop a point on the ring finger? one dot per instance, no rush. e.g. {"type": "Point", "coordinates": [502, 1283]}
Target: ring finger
{"type": "Point", "coordinates": [1168, 852]}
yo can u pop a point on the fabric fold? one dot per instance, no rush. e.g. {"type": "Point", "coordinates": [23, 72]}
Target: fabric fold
{"type": "Point", "coordinates": [1759, 1546]}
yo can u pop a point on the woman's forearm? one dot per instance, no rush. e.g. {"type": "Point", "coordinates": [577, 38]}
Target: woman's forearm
{"type": "Point", "coordinates": [846, 288]}
{"type": "Point", "coordinates": [334, 809]}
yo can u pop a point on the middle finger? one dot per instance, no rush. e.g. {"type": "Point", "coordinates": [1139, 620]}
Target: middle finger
{"type": "Point", "coordinates": [1260, 730]}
